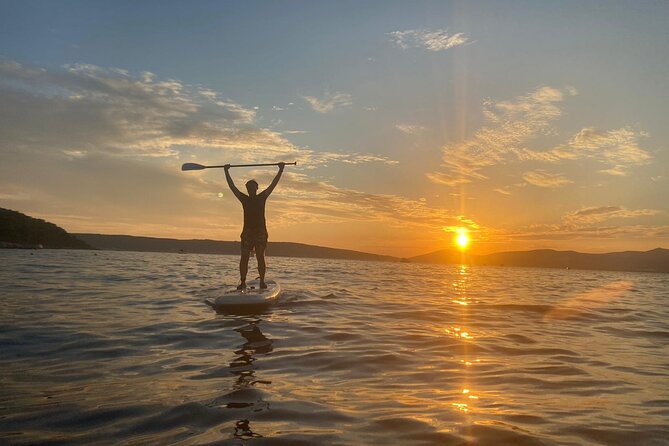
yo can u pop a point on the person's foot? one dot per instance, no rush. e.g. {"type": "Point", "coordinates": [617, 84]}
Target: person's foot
{"type": "Point", "coordinates": [241, 286]}
{"type": "Point", "coordinates": [263, 285]}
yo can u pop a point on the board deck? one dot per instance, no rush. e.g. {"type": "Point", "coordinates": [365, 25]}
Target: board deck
{"type": "Point", "coordinates": [252, 295]}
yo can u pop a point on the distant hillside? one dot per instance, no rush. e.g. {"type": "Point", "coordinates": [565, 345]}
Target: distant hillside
{"type": "Point", "coordinates": [442, 256]}
{"type": "Point", "coordinates": [656, 260]}
{"type": "Point", "coordinates": [280, 249]}
{"type": "Point", "coordinates": [18, 230]}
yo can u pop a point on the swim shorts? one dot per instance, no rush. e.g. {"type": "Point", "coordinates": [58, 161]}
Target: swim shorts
{"type": "Point", "coordinates": [254, 240]}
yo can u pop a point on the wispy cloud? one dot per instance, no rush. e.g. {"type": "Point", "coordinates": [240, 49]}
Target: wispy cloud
{"type": "Point", "coordinates": [306, 198]}
{"type": "Point", "coordinates": [598, 214]}
{"type": "Point", "coordinates": [592, 223]}
{"type": "Point", "coordinates": [511, 124]}
{"type": "Point", "coordinates": [542, 178]}
{"type": "Point", "coordinates": [85, 108]}
{"type": "Point", "coordinates": [81, 110]}
{"type": "Point", "coordinates": [448, 179]}
{"type": "Point", "coordinates": [329, 102]}
{"type": "Point", "coordinates": [351, 158]}
{"type": "Point", "coordinates": [502, 191]}
{"type": "Point", "coordinates": [409, 129]}
{"type": "Point", "coordinates": [616, 149]}
{"type": "Point", "coordinates": [561, 233]}
{"type": "Point", "coordinates": [431, 40]}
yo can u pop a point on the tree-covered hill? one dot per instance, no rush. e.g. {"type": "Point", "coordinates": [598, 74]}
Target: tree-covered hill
{"type": "Point", "coordinates": [18, 230]}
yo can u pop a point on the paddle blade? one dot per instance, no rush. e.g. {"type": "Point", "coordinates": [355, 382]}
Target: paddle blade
{"type": "Point", "coordinates": [192, 166]}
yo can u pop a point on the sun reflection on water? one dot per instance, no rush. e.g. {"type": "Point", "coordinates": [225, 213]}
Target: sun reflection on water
{"type": "Point", "coordinates": [467, 363]}
{"type": "Point", "coordinates": [461, 406]}
{"type": "Point", "coordinates": [462, 300]}
{"type": "Point", "coordinates": [458, 332]}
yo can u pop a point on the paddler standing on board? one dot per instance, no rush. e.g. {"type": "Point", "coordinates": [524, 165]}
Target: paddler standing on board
{"type": "Point", "coordinates": [254, 235]}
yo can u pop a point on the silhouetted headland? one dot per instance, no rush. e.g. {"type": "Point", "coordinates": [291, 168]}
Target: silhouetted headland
{"type": "Point", "coordinates": [18, 230]}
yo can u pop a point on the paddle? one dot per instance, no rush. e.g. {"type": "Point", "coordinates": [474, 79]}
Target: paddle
{"type": "Point", "coordinates": [195, 166]}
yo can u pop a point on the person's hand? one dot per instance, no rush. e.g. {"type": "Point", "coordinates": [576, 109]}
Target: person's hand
{"type": "Point", "coordinates": [281, 166]}
{"type": "Point", "coordinates": [226, 167]}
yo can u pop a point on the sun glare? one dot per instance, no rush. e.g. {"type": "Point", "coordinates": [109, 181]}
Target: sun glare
{"type": "Point", "coordinates": [462, 238]}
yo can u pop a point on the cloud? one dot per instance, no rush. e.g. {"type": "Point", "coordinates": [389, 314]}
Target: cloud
{"type": "Point", "coordinates": [617, 149]}
{"type": "Point", "coordinates": [409, 129]}
{"type": "Point", "coordinates": [82, 110]}
{"type": "Point", "coordinates": [348, 158]}
{"type": "Point", "coordinates": [569, 233]}
{"type": "Point", "coordinates": [437, 40]}
{"type": "Point", "coordinates": [561, 232]}
{"type": "Point", "coordinates": [599, 214]}
{"type": "Point", "coordinates": [87, 109]}
{"type": "Point", "coordinates": [306, 199]}
{"type": "Point", "coordinates": [542, 178]}
{"type": "Point", "coordinates": [329, 102]}
{"type": "Point", "coordinates": [502, 191]}
{"type": "Point", "coordinates": [511, 125]}
{"type": "Point", "coordinates": [447, 179]}
{"type": "Point", "coordinates": [13, 193]}
{"type": "Point", "coordinates": [590, 223]}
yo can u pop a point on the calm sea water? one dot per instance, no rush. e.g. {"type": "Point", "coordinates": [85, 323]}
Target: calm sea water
{"type": "Point", "coordinates": [119, 348]}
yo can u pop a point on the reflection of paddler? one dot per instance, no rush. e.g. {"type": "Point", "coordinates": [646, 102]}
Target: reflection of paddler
{"type": "Point", "coordinates": [243, 367]}
{"type": "Point", "coordinates": [243, 430]}
{"type": "Point", "coordinates": [256, 343]}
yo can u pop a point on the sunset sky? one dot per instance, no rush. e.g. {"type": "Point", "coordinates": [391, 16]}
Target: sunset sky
{"type": "Point", "coordinates": [532, 124]}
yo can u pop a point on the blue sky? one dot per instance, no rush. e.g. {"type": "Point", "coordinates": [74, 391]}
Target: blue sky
{"type": "Point", "coordinates": [534, 124]}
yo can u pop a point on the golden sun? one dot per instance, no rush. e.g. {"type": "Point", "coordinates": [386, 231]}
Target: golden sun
{"type": "Point", "coordinates": [461, 238]}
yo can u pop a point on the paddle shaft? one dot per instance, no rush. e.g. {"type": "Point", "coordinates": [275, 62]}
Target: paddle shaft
{"type": "Point", "coordinates": [253, 165]}
{"type": "Point", "coordinates": [195, 166]}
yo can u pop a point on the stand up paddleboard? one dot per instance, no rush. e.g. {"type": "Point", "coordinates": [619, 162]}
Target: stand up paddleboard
{"type": "Point", "coordinates": [251, 295]}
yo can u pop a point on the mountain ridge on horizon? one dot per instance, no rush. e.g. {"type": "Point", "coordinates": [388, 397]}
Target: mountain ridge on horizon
{"type": "Point", "coordinates": [209, 246]}
{"type": "Point", "coordinates": [653, 260]}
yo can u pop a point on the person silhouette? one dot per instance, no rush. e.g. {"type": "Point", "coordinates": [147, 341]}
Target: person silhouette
{"type": "Point", "coordinates": [254, 234]}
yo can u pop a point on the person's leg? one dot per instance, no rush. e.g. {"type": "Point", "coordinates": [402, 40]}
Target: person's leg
{"type": "Point", "coordinates": [260, 256]}
{"type": "Point", "coordinates": [243, 266]}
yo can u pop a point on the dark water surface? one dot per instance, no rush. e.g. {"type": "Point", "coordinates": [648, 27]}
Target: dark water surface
{"type": "Point", "coordinates": [118, 348]}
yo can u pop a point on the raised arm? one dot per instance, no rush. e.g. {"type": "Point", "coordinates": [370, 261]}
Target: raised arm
{"type": "Point", "coordinates": [275, 181]}
{"type": "Point", "coordinates": [231, 183]}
